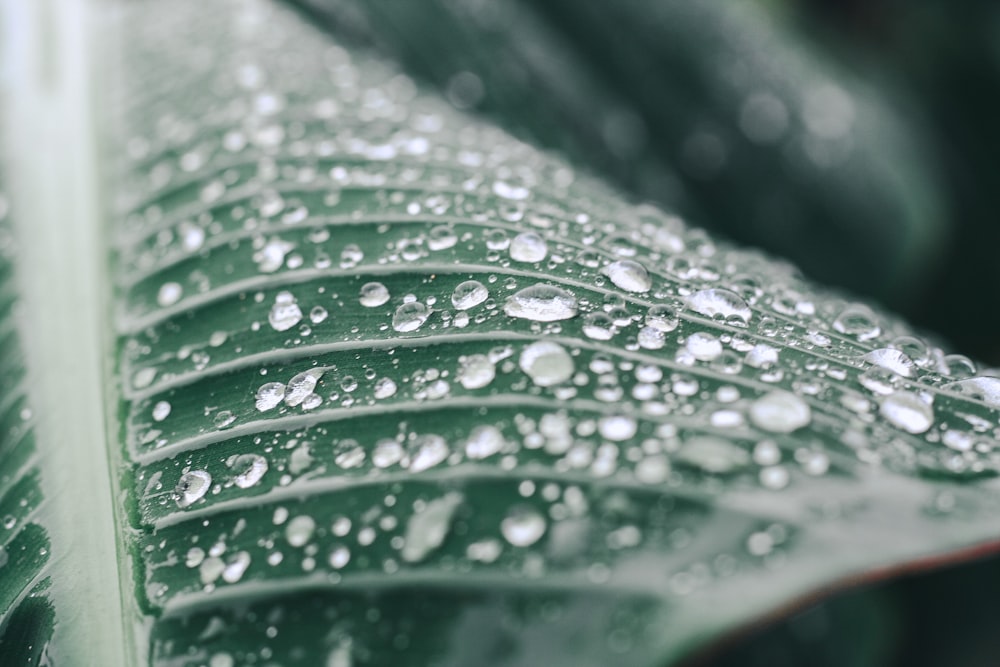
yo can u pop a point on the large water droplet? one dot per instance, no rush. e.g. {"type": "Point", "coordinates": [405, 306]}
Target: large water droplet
{"type": "Point", "coordinates": [892, 360]}
{"type": "Point", "coordinates": [427, 451]}
{"type": "Point", "coordinates": [373, 295]}
{"type": "Point", "coordinates": [528, 247]}
{"type": "Point", "coordinates": [541, 303]}
{"type": "Point", "coordinates": [907, 411]}
{"type": "Point", "coordinates": [302, 386]}
{"type": "Point", "coordinates": [300, 530]}
{"type": "Point", "coordinates": [780, 412]}
{"type": "Point", "coordinates": [192, 487]}
{"type": "Point", "coordinates": [629, 275]}
{"type": "Point", "coordinates": [546, 363]}
{"type": "Point", "coordinates": [713, 455]}
{"type": "Point", "coordinates": [985, 389]}
{"type": "Point", "coordinates": [523, 526]}
{"type": "Point", "coordinates": [859, 321]}
{"type": "Point", "coordinates": [249, 469]}
{"type": "Point", "coordinates": [469, 294]}
{"type": "Point", "coordinates": [410, 316]}
{"type": "Point", "coordinates": [476, 371]}
{"type": "Point", "coordinates": [484, 441]}
{"type": "Point", "coordinates": [285, 313]}
{"type": "Point", "coordinates": [718, 302]}
{"type": "Point", "coordinates": [269, 395]}
{"type": "Point", "coordinates": [169, 294]}
{"type": "Point", "coordinates": [427, 529]}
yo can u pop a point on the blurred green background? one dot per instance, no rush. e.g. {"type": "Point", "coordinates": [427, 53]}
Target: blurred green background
{"type": "Point", "coordinates": [854, 137]}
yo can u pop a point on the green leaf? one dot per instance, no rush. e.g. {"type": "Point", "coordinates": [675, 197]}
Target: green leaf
{"type": "Point", "coordinates": [386, 386]}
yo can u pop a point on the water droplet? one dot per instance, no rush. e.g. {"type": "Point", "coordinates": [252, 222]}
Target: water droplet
{"type": "Point", "coordinates": [161, 411]}
{"type": "Point", "coordinates": [318, 314]}
{"type": "Point", "coordinates": [169, 294]}
{"type": "Point", "coordinates": [662, 318]}
{"type": "Point", "coordinates": [703, 346]}
{"type": "Point", "coordinates": [774, 477]}
{"type": "Point", "coordinates": [192, 487]}
{"type": "Point", "coordinates": [301, 386]}
{"type": "Point", "coordinates": [384, 388]}
{"type": "Point", "coordinates": [713, 455]}
{"type": "Point", "coordinates": [373, 295]}
{"type": "Point", "coordinates": [780, 412]}
{"type": "Point", "coordinates": [300, 530]}
{"type": "Point", "coordinates": [617, 428]}
{"type": "Point", "coordinates": [339, 557]}
{"type": "Point", "coordinates": [859, 321]}
{"type": "Point", "coordinates": [718, 302]}
{"type": "Point", "coordinates": [427, 451]}
{"type": "Point", "coordinates": [224, 419]}
{"type": "Point", "coordinates": [269, 395]}
{"type": "Point", "coordinates": [427, 529]}
{"type": "Point", "coordinates": [528, 247]}
{"type": "Point", "coordinates": [892, 360]}
{"type": "Point", "coordinates": [484, 441]}
{"type": "Point", "coordinates": [271, 257]}
{"type": "Point", "coordinates": [387, 453]}
{"type": "Point", "coordinates": [523, 526]}
{"type": "Point", "coordinates": [410, 316]}
{"type": "Point", "coordinates": [653, 469]}
{"type": "Point", "coordinates": [985, 389]}
{"type": "Point", "coordinates": [541, 303]}
{"type": "Point", "coordinates": [469, 294]}
{"type": "Point", "coordinates": [235, 567]}
{"type": "Point", "coordinates": [285, 313]}
{"type": "Point", "coordinates": [598, 326]}
{"type": "Point", "coordinates": [546, 363]}
{"type": "Point", "coordinates": [249, 469]}
{"type": "Point", "coordinates": [907, 411]}
{"type": "Point", "coordinates": [629, 275]}
{"type": "Point", "coordinates": [476, 371]}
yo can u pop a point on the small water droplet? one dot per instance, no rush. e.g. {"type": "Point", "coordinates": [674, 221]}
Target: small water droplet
{"type": "Point", "coordinates": [224, 419]}
{"type": "Point", "coordinates": [285, 313]}
{"type": "Point", "coordinates": [318, 314]}
{"type": "Point", "coordinates": [161, 411]}
{"type": "Point", "coordinates": [546, 363]}
{"type": "Point", "coordinates": [169, 294]}
{"type": "Point", "coordinates": [523, 526]}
